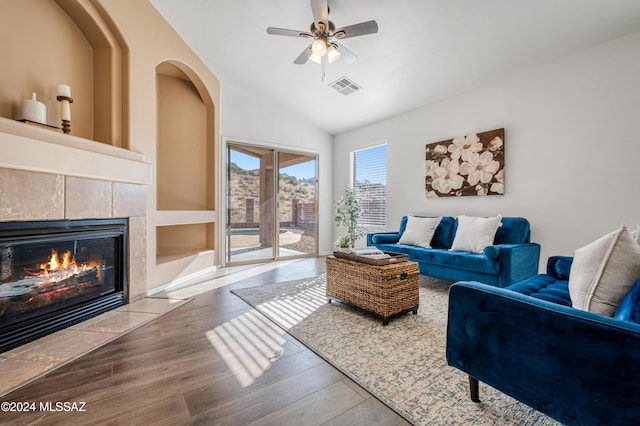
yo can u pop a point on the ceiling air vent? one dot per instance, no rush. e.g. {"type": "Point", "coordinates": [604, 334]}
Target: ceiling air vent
{"type": "Point", "coordinates": [345, 86]}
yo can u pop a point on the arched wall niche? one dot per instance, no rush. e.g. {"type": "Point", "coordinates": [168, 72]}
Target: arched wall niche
{"type": "Point", "coordinates": [63, 41]}
{"type": "Point", "coordinates": [185, 163]}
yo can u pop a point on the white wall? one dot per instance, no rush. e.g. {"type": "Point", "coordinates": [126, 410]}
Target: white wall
{"type": "Point", "coordinates": [248, 119]}
{"type": "Point", "coordinates": [572, 145]}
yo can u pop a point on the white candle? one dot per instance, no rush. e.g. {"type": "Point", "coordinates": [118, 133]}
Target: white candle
{"type": "Point", "coordinates": [65, 110]}
{"type": "Point", "coordinates": [64, 90]}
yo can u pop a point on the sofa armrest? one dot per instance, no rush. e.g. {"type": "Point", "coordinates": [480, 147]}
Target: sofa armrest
{"type": "Point", "coordinates": [517, 261]}
{"type": "Point", "coordinates": [575, 366]}
{"type": "Point", "coordinates": [382, 238]}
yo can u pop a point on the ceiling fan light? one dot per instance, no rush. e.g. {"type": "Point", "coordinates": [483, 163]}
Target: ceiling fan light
{"type": "Point", "coordinates": [333, 54]}
{"type": "Point", "coordinates": [319, 47]}
{"type": "Point", "coordinates": [315, 58]}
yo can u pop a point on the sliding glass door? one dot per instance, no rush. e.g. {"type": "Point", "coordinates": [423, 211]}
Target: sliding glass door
{"type": "Point", "coordinates": [297, 204]}
{"type": "Point", "coordinates": [250, 203]}
{"type": "Point", "coordinates": [271, 204]}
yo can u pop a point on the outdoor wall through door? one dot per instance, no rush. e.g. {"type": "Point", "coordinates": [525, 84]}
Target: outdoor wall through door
{"type": "Point", "coordinates": [271, 204]}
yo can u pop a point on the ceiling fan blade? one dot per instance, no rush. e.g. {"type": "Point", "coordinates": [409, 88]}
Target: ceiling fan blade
{"type": "Point", "coordinates": [285, 32]}
{"type": "Point", "coordinates": [345, 54]}
{"type": "Point", "coordinates": [320, 10]}
{"type": "Point", "coordinates": [304, 56]}
{"type": "Point", "coordinates": [363, 28]}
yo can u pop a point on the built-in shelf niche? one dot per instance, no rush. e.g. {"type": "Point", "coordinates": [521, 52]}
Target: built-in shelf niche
{"type": "Point", "coordinates": [50, 42]}
{"type": "Point", "coordinates": [185, 172]}
{"type": "Point", "coordinates": [178, 241]}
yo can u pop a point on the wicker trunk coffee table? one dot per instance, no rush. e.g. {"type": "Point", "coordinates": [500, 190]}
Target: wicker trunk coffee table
{"type": "Point", "coordinates": [384, 290]}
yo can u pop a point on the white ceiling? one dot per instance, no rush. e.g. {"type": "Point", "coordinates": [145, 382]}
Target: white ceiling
{"type": "Point", "coordinates": [425, 50]}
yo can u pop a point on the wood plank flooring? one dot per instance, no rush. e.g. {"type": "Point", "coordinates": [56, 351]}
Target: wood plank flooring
{"type": "Point", "coordinates": [213, 361]}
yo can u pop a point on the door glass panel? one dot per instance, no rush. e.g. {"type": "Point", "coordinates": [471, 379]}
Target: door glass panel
{"type": "Point", "coordinates": [297, 208]}
{"type": "Point", "coordinates": [250, 203]}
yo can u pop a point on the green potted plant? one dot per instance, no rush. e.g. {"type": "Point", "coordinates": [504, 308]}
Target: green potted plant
{"type": "Point", "coordinates": [347, 213]}
{"type": "Point", "coordinates": [342, 243]}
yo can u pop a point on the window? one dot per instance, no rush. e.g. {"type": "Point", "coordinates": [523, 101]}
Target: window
{"type": "Point", "coordinates": [369, 180]}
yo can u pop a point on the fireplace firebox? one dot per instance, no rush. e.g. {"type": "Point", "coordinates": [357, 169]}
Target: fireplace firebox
{"type": "Point", "coordinates": [54, 274]}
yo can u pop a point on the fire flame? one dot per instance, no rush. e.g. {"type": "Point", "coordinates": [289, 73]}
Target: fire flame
{"type": "Point", "coordinates": [68, 262]}
{"type": "Point", "coordinates": [58, 268]}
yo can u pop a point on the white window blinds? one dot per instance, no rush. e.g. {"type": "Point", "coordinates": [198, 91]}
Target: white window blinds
{"type": "Point", "coordinates": [370, 185]}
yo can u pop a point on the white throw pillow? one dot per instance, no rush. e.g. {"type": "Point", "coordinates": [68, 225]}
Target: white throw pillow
{"type": "Point", "coordinates": [419, 231]}
{"type": "Point", "coordinates": [636, 234]}
{"type": "Point", "coordinates": [475, 233]}
{"type": "Point", "coordinates": [604, 271]}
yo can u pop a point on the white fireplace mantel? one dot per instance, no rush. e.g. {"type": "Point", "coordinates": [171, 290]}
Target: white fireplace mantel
{"type": "Point", "coordinates": [28, 147]}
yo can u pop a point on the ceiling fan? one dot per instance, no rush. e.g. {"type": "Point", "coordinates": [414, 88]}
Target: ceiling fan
{"type": "Point", "coordinates": [325, 46]}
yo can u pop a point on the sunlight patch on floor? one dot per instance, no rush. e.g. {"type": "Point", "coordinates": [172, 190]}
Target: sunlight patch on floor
{"type": "Point", "coordinates": [248, 344]}
{"type": "Point", "coordinates": [293, 309]}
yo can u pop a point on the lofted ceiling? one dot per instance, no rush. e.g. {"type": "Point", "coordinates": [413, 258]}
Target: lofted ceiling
{"type": "Point", "coordinates": [424, 51]}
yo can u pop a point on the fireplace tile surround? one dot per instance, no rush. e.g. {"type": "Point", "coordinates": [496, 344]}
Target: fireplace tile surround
{"type": "Point", "coordinates": [27, 195]}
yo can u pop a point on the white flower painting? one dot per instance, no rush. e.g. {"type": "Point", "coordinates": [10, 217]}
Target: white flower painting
{"type": "Point", "coordinates": [466, 165]}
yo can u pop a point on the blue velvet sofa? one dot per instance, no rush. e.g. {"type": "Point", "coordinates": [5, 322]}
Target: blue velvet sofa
{"type": "Point", "coordinates": [510, 259]}
{"type": "Point", "coordinates": [527, 341]}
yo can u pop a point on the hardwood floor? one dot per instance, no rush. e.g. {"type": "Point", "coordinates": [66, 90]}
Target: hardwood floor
{"type": "Point", "coordinates": [213, 361]}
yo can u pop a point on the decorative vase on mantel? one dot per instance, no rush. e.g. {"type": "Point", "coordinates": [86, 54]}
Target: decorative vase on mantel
{"type": "Point", "coordinates": [34, 110]}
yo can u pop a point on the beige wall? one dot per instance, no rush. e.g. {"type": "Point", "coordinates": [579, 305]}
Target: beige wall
{"type": "Point", "coordinates": [571, 164]}
{"type": "Point", "coordinates": [146, 41]}
{"type": "Point", "coordinates": [44, 48]}
{"type": "Point", "coordinates": [182, 149]}
{"type": "Point", "coordinates": [151, 42]}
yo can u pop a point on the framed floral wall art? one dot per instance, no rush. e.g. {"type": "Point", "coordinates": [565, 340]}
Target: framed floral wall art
{"type": "Point", "coordinates": [466, 165]}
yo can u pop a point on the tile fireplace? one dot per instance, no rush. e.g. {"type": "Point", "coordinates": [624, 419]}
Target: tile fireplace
{"type": "Point", "coordinates": [54, 274]}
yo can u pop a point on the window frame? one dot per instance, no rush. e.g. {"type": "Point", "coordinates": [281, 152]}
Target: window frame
{"type": "Point", "coordinates": [368, 223]}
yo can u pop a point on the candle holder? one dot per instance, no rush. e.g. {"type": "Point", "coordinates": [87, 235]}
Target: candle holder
{"type": "Point", "coordinates": [66, 126]}
{"type": "Point", "coordinates": [66, 112]}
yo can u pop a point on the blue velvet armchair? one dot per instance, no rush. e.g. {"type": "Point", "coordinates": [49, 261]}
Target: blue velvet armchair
{"type": "Point", "coordinates": [528, 342]}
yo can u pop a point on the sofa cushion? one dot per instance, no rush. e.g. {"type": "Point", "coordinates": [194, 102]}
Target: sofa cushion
{"type": "Point", "coordinates": [514, 230]}
{"type": "Point", "coordinates": [397, 248]}
{"type": "Point", "coordinates": [636, 233]}
{"type": "Point", "coordinates": [442, 238]}
{"type": "Point", "coordinates": [419, 231]}
{"type": "Point", "coordinates": [457, 259]}
{"type": "Point", "coordinates": [443, 257]}
{"type": "Point", "coordinates": [473, 234]}
{"type": "Point", "coordinates": [629, 308]}
{"type": "Point", "coordinates": [444, 233]}
{"type": "Point", "coordinates": [604, 271]}
{"type": "Point", "coordinates": [545, 287]}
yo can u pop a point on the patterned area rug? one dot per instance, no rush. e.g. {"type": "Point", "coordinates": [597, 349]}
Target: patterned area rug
{"type": "Point", "coordinates": [402, 364]}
